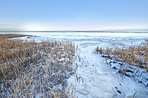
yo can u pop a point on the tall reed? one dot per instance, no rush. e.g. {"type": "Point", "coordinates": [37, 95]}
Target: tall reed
{"type": "Point", "coordinates": [30, 69]}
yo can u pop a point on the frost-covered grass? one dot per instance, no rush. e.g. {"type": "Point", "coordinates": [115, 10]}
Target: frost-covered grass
{"type": "Point", "coordinates": [130, 61]}
{"type": "Point", "coordinates": [31, 69]}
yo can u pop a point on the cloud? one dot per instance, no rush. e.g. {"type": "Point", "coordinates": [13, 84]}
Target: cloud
{"type": "Point", "coordinates": [11, 27]}
{"type": "Point", "coordinates": [66, 26]}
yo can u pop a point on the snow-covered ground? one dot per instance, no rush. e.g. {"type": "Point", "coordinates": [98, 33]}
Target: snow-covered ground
{"type": "Point", "coordinates": [94, 78]}
{"type": "Point", "coordinates": [98, 80]}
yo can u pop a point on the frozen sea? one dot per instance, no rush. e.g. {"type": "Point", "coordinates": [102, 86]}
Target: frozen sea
{"type": "Point", "coordinates": [85, 39]}
{"type": "Point", "coordinates": [99, 80]}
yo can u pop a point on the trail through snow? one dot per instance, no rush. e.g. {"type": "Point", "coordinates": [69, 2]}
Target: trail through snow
{"type": "Point", "coordinates": [96, 79]}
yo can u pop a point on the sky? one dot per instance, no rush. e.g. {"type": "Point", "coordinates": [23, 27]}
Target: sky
{"type": "Point", "coordinates": [73, 15]}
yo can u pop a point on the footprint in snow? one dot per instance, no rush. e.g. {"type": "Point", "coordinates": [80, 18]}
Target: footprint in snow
{"type": "Point", "coordinates": [83, 91]}
{"type": "Point", "coordinates": [117, 90]}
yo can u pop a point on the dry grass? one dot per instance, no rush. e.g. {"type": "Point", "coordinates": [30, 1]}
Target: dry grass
{"type": "Point", "coordinates": [6, 36]}
{"type": "Point", "coordinates": [30, 69]}
{"type": "Point", "coordinates": [133, 57]}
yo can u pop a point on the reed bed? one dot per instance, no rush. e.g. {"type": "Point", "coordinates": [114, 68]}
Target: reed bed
{"type": "Point", "coordinates": [30, 69]}
{"type": "Point", "coordinates": [6, 36]}
{"type": "Point", "coordinates": [130, 61]}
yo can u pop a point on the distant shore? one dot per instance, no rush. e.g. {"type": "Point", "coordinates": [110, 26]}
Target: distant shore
{"type": "Point", "coordinates": [84, 31]}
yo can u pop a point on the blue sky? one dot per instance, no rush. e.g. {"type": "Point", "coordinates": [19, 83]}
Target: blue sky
{"type": "Point", "coordinates": [73, 14]}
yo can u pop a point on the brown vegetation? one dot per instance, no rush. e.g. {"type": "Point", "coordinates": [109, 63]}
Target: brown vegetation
{"type": "Point", "coordinates": [6, 36]}
{"type": "Point", "coordinates": [131, 59]}
{"type": "Point", "coordinates": [29, 69]}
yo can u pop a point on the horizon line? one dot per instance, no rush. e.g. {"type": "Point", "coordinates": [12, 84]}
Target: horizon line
{"type": "Point", "coordinates": [81, 31]}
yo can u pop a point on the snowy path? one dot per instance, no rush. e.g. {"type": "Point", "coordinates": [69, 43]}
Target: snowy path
{"type": "Point", "coordinates": [100, 81]}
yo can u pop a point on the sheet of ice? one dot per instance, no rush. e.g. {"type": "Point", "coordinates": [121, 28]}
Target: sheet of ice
{"type": "Point", "coordinates": [106, 39]}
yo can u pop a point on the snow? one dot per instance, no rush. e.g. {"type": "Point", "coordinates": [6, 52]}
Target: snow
{"type": "Point", "coordinates": [94, 78]}
{"type": "Point", "coordinates": [100, 81]}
